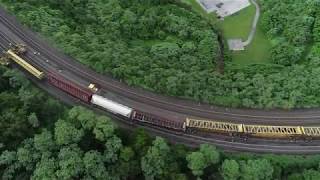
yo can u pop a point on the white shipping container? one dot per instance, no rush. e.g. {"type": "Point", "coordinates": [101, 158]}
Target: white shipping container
{"type": "Point", "coordinates": [111, 105]}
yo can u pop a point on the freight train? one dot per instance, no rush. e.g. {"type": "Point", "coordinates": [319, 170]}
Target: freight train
{"type": "Point", "coordinates": [89, 95]}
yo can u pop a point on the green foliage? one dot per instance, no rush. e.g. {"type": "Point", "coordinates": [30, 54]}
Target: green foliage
{"type": "Point", "coordinates": [311, 175]}
{"type": "Point", "coordinates": [230, 170]}
{"type": "Point", "coordinates": [155, 164]}
{"type": "Point", "coordinates": [295, 22]}
{"type": "Point", "coordinates": [164, 47]}
{"type": "Point", "coordinates": [66, 133]}
{"type": "Point", "coordinates": [22, 108]}
{"type": "Point", "coordinates": [260, 169]}
{"type": "Point", "coordinates": [205, 157]}
{"type": "Point", "coordinates": [197, 163]}
{"type": "Point", "coordinates": [88, 156]}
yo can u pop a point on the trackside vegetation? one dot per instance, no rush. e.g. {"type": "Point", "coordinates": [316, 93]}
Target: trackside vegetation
{"type": "Point", "coordinates": [163, 46]}
{"type": "Point", "coordinates": [166, 47]}
{"type": "Point", "coordinates": [43, 139]}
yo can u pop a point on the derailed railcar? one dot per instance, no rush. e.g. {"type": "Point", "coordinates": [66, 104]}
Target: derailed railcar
{"type": "Point", "coordinates": [70, 87]}
{"type": "Point", "coordinates": [144, 117]}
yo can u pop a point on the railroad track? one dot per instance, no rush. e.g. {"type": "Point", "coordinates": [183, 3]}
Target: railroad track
{"type": "Point", "coordinates": [112, 85]}
{"type": "Point", "coordinates": [46, 53]}
{"type": "Point", "coordinates": [291, 118]}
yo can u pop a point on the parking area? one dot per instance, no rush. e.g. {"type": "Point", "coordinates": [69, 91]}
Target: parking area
{"type": "Point", "coordinates": [223, 8]}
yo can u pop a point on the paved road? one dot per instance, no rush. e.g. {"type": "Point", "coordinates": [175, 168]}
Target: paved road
{"type": "Point", "coordinates": [254, 24]}
{"type": "Point", "coordinates": [52, 60]}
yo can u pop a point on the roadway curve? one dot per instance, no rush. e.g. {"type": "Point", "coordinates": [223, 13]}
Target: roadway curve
{"type": "Point", "coordinates": [51, 59]}
{"type": "Point", "coordinates": [254, 24]}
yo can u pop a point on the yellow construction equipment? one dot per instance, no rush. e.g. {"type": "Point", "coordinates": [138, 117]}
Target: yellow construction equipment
{"type": "Point", "coordinates": [11, 54]}
{"type": "Point", "coordinates": [18, 48]}
{"type": "Point", "coordinates": [93, 88]}
{"type": "Point", "coordinates": [4, 61]}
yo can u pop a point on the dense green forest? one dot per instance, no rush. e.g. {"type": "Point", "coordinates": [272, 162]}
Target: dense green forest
{"type": "Point", "coordinates": [66, 143]}
{"type": "Point", "coordinates": [165, 47]}
{"type": "Point", "coordinates": [43, 139]}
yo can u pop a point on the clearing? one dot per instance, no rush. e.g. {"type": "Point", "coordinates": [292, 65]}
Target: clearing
{"type": "Point", "coordinates": [238, 25]}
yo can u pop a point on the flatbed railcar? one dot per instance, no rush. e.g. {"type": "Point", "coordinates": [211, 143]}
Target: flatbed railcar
{"type": "Point", "coordinates": [158, 121]}
{"type": "Point", "coordinates": [67, 86]}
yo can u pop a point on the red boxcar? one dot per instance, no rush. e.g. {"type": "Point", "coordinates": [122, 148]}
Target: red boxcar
{"type": "Point", "coordinates": [156, 120]}
{"type": "Point", "coordinates": [69, 87]}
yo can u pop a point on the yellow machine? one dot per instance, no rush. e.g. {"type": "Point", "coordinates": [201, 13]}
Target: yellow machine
{"type": "Point", "coordinates": [13, 54]}
{"type": "Point", "coordinates": [93, 88]}
{"type": "Point", "coordinates": [4, 61]}
{"type": "Point", "coordinates": [18, 48]}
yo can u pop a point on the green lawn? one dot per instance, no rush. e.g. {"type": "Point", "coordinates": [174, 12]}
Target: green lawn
{"type": "Point", "coordinates": [239, 26]}
{"type": "Point", "coordinates": [257, 52]}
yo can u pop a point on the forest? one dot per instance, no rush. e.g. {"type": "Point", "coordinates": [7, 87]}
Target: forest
{"type": "Point", "coordinates": [165, 47]}
{"type": "Point", "coordinates": [44, 139]}
{"type": "Point", "coordinates": [162, 46]}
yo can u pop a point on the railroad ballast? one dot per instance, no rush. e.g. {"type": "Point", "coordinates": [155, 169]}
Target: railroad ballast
{"type": "Point", "coordinates": [88, 95]}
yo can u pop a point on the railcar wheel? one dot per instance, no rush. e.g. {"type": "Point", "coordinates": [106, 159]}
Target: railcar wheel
{"type": "Point", "coordinates": [190, 131]}
{"type": "Point", "coordinates": [308, 139]}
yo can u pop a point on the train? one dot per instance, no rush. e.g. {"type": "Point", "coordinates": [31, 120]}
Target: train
{"type": "Point", "coordinates": [89, 95]}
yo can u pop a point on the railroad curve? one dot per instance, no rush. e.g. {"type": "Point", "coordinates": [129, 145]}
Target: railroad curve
{"type": "Point", "coordinates": [13, 32]}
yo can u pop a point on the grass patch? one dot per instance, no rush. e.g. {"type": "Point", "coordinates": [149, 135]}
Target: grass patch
{"type": "Point", "coordinates": [257, 52]}
{"type": "Point", "coordinates": [239, 26]}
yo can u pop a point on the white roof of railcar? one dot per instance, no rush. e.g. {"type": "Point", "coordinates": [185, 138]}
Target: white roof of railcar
{"type": "Point", "coordinates": [111, 105]}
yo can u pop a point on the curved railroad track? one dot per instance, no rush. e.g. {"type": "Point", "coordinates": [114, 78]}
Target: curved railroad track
{"type": "Point", "coordinates": [51, 59]}
{"type": "Point", "coordinates": [294, 117]}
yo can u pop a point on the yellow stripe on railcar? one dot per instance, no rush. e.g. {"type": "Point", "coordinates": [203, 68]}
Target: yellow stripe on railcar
{"type": "Point", "coordinates": [214, 126]}
{"type": "Point", "coordinates": [25, 65]}
{"type": "Point", "coordinates": [273, 131]}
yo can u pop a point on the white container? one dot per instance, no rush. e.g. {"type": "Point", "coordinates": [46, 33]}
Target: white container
{"type": "Point", "coordinates": [111, 106]}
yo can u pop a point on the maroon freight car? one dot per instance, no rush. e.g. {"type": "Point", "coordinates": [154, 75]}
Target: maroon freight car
{"type": "Point", "coordinates": [156, 120]}
{"type": "Point", "coordinates": [69, 87]}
